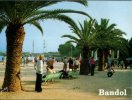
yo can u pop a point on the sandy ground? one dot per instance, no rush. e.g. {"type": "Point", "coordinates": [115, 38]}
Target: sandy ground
{"type": "Point", "coordinates": [81, 88]}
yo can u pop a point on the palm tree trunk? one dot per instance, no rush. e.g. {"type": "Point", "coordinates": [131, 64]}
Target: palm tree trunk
{"type": "Point", "coordinates": [100, 68]}
{"type": "Point", "coordinates": [85, 67]}
{"type": "Point", "coordinates": [103, 63]}
{"type": "Point", "coordinates": [103, 53]}
{"type": "Point", "coordinates": [15, 36]}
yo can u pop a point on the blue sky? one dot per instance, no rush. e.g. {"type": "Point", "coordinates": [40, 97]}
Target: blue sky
{"type": "Point", "coordinates": [119, 12]}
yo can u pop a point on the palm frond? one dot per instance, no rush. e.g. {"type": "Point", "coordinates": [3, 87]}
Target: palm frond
{"type": "Point", "coordinates": [42, 14]}
{"type": "Point", "coordinates": [111, 27]}
{"type": "Point", "coordinates": [2, 24]}
{"type": "Point", "coordinates": [75, 29]}
{"type": "Point", "coordinates": [119, 32]}
{"type": "Point", "coordinates": [72, 41]}
{"type": "Point", "coordinates": [65, 11]}
{"type": "Point", "coordinates": [18, 11]}
{"type": "Point", "coordinates": [85, 33]}
{"type": "Point", "coordinates": [83, 2]}
{"type": "Point", "coordinates": [59, 17]}
{"type": "Point", "coordinates": [104, 23]}
{"type": "Point", "coordinates": [36, 24]}
{"type": "Point", "coordinates": [71, 37]}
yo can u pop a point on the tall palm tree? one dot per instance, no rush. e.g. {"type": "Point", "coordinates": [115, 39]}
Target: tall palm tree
{"type": "Point", "coordinates": [107, 37]}
{"type": "Point", "coordinates": [14, 15]}
{"type": "Point", "coordinates": [84, 37]}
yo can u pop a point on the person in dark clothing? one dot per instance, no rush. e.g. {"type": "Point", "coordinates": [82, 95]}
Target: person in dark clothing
{"type": "Point", "coordinates": [39, 71]}
{"type": "Point", "coordinates": [64, 74]}
{"type": "Point", "coordinates": [92, 63]}
{"type": "Point", "coordinates": [38, 83]}
{"type": "Point", "coordinates": [70, 64]}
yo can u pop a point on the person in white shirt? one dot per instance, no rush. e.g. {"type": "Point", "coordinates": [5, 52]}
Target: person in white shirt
{"type": "Point", "coordinates": [39, 71]}
{"type": "Point", "coordinates": [76, 64]}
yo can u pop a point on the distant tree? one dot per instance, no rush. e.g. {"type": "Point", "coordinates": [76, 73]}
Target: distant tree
{"type": "Point", "coordinates": [54, 54]}
{"type": "Point", "coordinates": [26, 54]}
{"type": "Point", "coordinates": [77, 51]}
{"type": "Point", "coordinates": [66, 49]}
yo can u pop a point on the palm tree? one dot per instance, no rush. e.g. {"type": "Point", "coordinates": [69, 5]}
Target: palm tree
{"type": "Point", "coordinates": [107, 37]}
{"type": "Point", "coordinates": [130, 47]}
{"type": "Point", "coordinates": [121, 44]}
{"type": "Point", "coordinates": [84, 37]}
{"type": "Point", "coordinates": [14, 15]}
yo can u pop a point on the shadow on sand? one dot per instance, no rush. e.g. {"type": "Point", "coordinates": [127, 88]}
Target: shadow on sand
{"type": "Point", "coordinates": [28, 86]}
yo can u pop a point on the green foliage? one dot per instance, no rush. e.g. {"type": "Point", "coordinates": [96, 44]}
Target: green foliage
{"type": "Point", "coordinates": [84, 34]}
{"type": "Point", "coordinates": [26, 54]}
{"type": "Point", "coordinates": [2, 53]}
{"type": "Point", "coordinates": [130, 43]}
{"type": "Point", "coordinates": [31, 12]}
{"type": "Point", "coordinates": [94, 35]}
{"type": "Point", "coordinates": [77, 51]}
{"type": "Point", "coordinates": [108, 37]}
{"type": "Point", "coordinates": [54, 54]}
{"type": "Point", "coordinates": [104, 36]}
{"type": "Point", "coordinates": [65, 49]}
{"type": "Point", "coordinates": [130, 47]}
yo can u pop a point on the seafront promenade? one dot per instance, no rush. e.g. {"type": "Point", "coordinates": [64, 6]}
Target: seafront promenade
{"type": "Point", "coordinates": [81, 88]}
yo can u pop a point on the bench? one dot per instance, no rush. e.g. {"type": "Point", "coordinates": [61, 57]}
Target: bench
{"type": "Point", "coordinates": [73, 74]}
{"type": "Point", "coordinates": [51, 76]}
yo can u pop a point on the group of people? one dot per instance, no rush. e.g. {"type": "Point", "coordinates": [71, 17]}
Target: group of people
{"type": "Point", "coordinates": [26, 60]}
{"type": "Point", "coordinates": [109, 66]}
{"type": "Point", "coordinates": [39, 65]}
{"type": "Point", "coordinates": [73, 64]}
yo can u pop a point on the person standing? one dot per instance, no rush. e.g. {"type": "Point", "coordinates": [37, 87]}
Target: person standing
{"type": "Point", "coordinates": [22, 61]}
{"type": "Point", "coordinates": [76, 64]}
{"type": "Point", "coordinates": [70, 64]}
{"type": "Point", "coordinates": [51, 61]}
{"type": "Point", "coordinates": [50, 66]}
{"type": "Point", "coordinates": [39, 72]}
{"type": "Point", "coordinates": [92, 63]}
{"type": "Point", "coordinates": [110, 69]}
{"type": "Point", "coordinates": [65, 64]}
{"type": "Point", "coordinates": [4, 60]}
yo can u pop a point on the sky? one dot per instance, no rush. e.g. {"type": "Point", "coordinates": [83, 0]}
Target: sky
{"type": "Point", "coordinates": [119, 12]}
